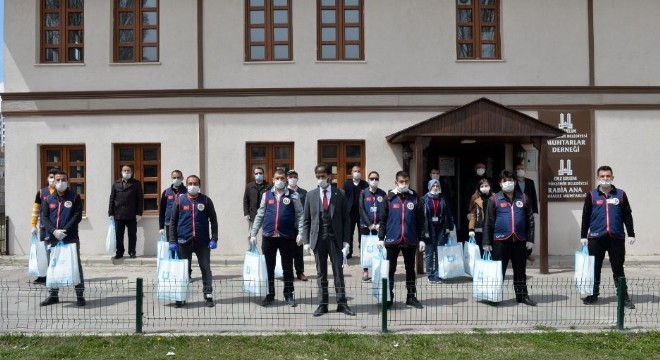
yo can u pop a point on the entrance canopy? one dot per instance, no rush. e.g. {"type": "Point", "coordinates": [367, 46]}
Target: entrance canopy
{"type": "Point", "coordinates": [481, 120]}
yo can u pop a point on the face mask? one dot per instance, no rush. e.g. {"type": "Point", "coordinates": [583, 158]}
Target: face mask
{"type": "Point", "coordinates": [259, 177]}
{"type": "Point", "coordinates": [293, 182]}
{"type": "Point", "coordinates": [176, 182]}
{"type": "Point", "coordinates": [435, 192]}
{"type": "Point", "coordinates": [373, 183]}
{"type": "Point", "coordinates": [605, 183]}
{"type": "Point", "coordinates": [126, 176]}
{"type": "Point", "coordinates": [520, 173]}
{"type": "Point", "coordinates": [357, 175]}
{"type": "Point", "coordinates": [402, 188]}
{"type": "Point", "coordinates": [193, 190]}
{"type": "Point", "coordinates": [485, 190]}
{"type": "Point", "coordinates": [279, 184]}
{"type": "Point", "coordinates": [481, 172]}
{"type": "Point", "coordinates": [61, 186]}
{"type": "Point", "coordinates": [508, 186]}
{"type": "Point", "coordinates": [51, 182]}
{"type": "Point", "coordinates": [435, 177]}
{"type": "Point", "coordinates": [323, 183]}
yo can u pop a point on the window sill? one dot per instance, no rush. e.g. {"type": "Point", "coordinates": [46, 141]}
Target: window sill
{"type": "Point", "coordinates": [480, 60]}
{"type": "Point", "coordinates": [59, 64]}
{"type": "Point", "coordinates": [341, 61]}
{"type": "Point", "coordinates": [144, 63]}
{"type": "Point", "coordinates": [268, 62]}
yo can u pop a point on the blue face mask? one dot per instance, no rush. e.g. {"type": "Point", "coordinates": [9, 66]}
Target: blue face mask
{"type": "Point", "coordinates": [176, 182]}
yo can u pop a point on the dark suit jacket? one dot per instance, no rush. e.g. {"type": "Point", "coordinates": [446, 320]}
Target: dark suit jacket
{"type": "Point", "coordinates": [530, 191]}
{"type": "Point", "coordinates": [252, 198]}
{"type": "Point", "coordinates": [339, 213]}
{"type": "Point", "coordinates": [126, 202]}
{"type": "Point", "coordinates": [353, 195]}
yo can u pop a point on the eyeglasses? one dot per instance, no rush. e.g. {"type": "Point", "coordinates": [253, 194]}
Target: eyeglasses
{"type": "Point", "coordinates": [373, 178]}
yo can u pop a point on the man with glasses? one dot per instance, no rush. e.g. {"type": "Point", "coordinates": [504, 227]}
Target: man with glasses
{"type": "Point", "coordinates": [254, 190]}
{"type": "Point", "coordinates": [280, 213]}
{"type": "Point", "coordinates": [298, 262]}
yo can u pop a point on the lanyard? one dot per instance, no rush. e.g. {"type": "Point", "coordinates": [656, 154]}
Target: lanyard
{"type": "Point", "coordinates": [436, 205]}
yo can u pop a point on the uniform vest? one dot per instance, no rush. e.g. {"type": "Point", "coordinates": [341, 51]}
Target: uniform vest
{"type": "Point", "coordinates": [44, 193]}
{"type": "Point", "coordinates": [280, 216]}
{"type": "Point", "coordinates": [402, 221]}
{"type": "Point", "coordinates": [193, 221]}
{"type": "Point", "coordinates": [170, 197]}
{"type": "Point", "coordinates": [373, 205]}
{"type": "Point", "coordinates": [510, 217]}
{"type": "Point", "coordinates": [61, 211]}
{"type": "Point", "coordinates": [606, 215]}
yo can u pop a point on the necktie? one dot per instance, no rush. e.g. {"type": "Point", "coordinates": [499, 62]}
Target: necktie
{"type": "Point", "coordinates": [325, 200]}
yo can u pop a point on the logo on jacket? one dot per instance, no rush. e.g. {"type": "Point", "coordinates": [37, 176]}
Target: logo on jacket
{"type": "Point", "coordinates": [519, 203]}
{"type": "Point", "coordinates": [271, 202]}
{"type": "Point", "coordinates": [286, 201]}
{"type": "Point", "coordinates": [410, 206]}
{"type": "Point", "coordinates": [186, 207]}
{"type": "Point", "coordinates": [52, 206]}
{"type": "Point", "coordinates": [170, 197]}
{"type": "Point", "coordinates": [379, 198]}
{"type": "Point", "coordinates": [503, 205]}
{"type": "Point", "coordinates": [200, 207]}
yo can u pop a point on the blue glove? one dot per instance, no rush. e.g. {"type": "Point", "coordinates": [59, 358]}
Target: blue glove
{"type": "Point", "coordinates": [174, 247]}
{"type": "Point", "coordinates": [213, 244]}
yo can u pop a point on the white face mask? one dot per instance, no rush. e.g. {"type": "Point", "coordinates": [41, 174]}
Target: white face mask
{"type": "Point", "coordinates": [51, 181]}
{"type": "Point", "coordinates": [126, 176]}
{"type": "Point", "coordinates": [435, 177]}
{"type": "Point", "coordinates": [176, 182]}
{"type": "Point", "coordinates": [402, 188]}
{"type": "Point", "coordinates": [323, 183]}
{"type": "Point", "coordinates": [520, 173]}
{"type": "Point", "coordinates": [357, 175]}
{"type": "Point", "coordinates": [605, 183]}
{"type": "Point", "coordinates": [259, 177]}
{"type": "Point", "coordinates": [508, 186]}
{"type": "Point", "coordinates": [485, 190]}
{"type": "Point", "coordinates": [293, 181]}
{"type": "Point", "coordinates": [373, 183]}
{"type": "Point", "coordinates": [279, 184]}
{"type": "Point", "coordinates": [193, 190]}
{"type": "Point", "coordinates": [435, 192]}
{"type": "Point", "coordinates": [61, 186]}
{"type": "Point", "coordinates": [481, 171]}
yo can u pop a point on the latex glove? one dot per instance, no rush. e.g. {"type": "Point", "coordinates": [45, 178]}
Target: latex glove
{"type": "Point", "coordinates": [299, 240]}
{"type": "Point", "coordinates": [213, 244]}
{"type": "Point", "coordinates": [33, 231]}
{"type": "Point", "coordinates": [173, 247]}
{"type": "Point", "coordinates": [426, 235]}
{"type": "Point", "coordinates": [529, 245]}
{"type": "Point", "coordinates": [447, 231]}
{"type": "Point", "coordinates": [307, 249]}
{"type": "Point", "coordinates": [372, 227]}
{"type": "Point", "coordinates": [59, 234]}
{"type": "Point", "coordinates": [422, 246]}
{"type": "Point", "coordinates": [161, 232]}
{"type": "Point", "coordinates": [111, 217]}
{"type": "Point", "coordinates": [487, 248]}
{"type": "Point", "coordinates": [253, 240]}
{"type": "Point", "coordinates": [377, 226]}
{"type": "Point", "coordinates": [247, 217]}
{"type": "Point", "coordinates": [584, 242]}
{"type": "Point", "coordinates": [138, 218]}
{"type": "Point", "coordinates": [380, 244]}
{"type": "Point", "coordinates": [345, 250]}
{"type": "Point", "coordinates": [631, 240]}
{"type": "Point", "coordinates": [471, 234]}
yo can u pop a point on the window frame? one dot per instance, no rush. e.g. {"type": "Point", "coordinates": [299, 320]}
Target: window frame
{"type": "Point", "coordinates": [137, 27]}
{"type": "Point", "coordinates": [340, 30]}
{"type": "Point", "coordinates": [341, 160]}
{"type": "Point", "coordinates": [269, 27]}
{"type": "Point", "coordinates": [476, 24]}
{"type": "Point", "coordinates": [137, 164]}
{"type": "Point", "coordinates": [45, 165]}
{"type": "Point", "coordinates": [269, 166]}
{"type": "Point", "coordinates": [63, 28]}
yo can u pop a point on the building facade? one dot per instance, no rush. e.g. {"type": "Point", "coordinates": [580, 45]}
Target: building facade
{"type": "Point", "coordinates": [215, 88]}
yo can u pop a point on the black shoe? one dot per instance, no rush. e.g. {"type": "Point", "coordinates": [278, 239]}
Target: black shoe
{"type": "Point", "coordinates": [322, 309]}
{"type": "Point", "coordinates": [291, 302]}
{"type": "Point", "coordinates": [590, 300]}
{"type": "Point", "coordinates": [492, 303]}
{"type": "Point", "coordinates": [389, 304]}
{"type": "Point", "coordinates": [40, 280]}
{"type": "Point", "coordinates": [80, 301]}
{"type": "Point", "coordinates": [132, 256]}
{"type": "Point", "coordinates": [267, 301]}
{"type": "Point", "coordinates": [412, 301]}
{"type": "Point", "coordinates": [343, 308]}
{"type": "Point", "coordinates": [629, 304]}
{"type": "Point", "coordinates": [50, 301]}
{"type": "Point", "coordinates": [349, 256]}
{"type": "Point", "coordinates": [527, 301]}
{"type": "Point", "coordinates": [209, 302]}
{"type": "Point", "coordinates": [117, 257]}
{"type": "Point", "coordinates": [178, 304]}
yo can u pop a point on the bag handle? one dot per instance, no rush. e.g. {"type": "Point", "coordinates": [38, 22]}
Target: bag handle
{"type": "Point", "coordinates": [487, 256]}
{"type": "Point", "coordinates": [34, 239]}
{"type": "Point", "coordinates": [253, 249]}
{"type": "Point", "coordinates": [472, 240]}
{"type": "Point", "coordinates": [585, 250]}
{"type": "Point", "coordinates": [162, 238]}
{"type": "Point", "coordinates": [170, 257]}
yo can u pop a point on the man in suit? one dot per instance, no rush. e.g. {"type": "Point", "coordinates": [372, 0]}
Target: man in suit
{"type": "Point", "coordinates": [125, 210]}
{"type": "Point", "coordinates": [326, 231]}
{"type": "Point", "coordinates": [526, 186]}
{"type": "Point", "coordinates": [352, 189]}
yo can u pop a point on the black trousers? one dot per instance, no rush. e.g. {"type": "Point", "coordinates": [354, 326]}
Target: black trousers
{"type": "Point", "coordinates": [298, 262]}
{"type": "Point", "coordinates": [120, 226]}
{"type": "Point", "coordinates": [286, 246]}
{"type": "Point", "coordinates": [616, 251]}
{"type": "Point", "coordinates": [201, 249]}
{"type": "Point", "coordinates": [516, 251]}
{"type": "Point", "coordinates": [479, 238]}
{"type": "Point", "coordinates": [79, 288]}
{"type": "Point", "coordinates": [355, 223]}
{"type": "Point", "coordinates": [409, 262]}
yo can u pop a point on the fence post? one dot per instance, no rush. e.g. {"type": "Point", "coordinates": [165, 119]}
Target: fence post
{"type": "Point", "coordinates": [383, 293]}
{"type": "Point", "coordinates": [621, 291]}
{"type": "Point", "coordinates": [138, 305]}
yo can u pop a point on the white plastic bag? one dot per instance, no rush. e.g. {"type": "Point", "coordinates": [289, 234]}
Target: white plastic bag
{"type": "Point", "coordinates": [162, 250]}
{"type": "Point", "coordinates": [279, 272]}
{"type": "Point", "coordinates": [38, 264]}
{"type": "Point", "coordinates": [471, 254]}
{"type": "Point", "coordinates": [380, 269]}
{"type": "Point", "coordinates": [368, 250]}
{"type": "Point", "coordinates": [450, 261]}
{"type": "Point", "coordinates": [255, 276]}
{"type": "Point", "coordinates": [584, 272]}
{"type": "Point", "coordinates": [487, 283]}
{"type": "Point", "coordinates": [173, 282]}
{"type": "Point", "coordinates": [63, 269]}
{"type": "Point", "coordinates": [111, 239]}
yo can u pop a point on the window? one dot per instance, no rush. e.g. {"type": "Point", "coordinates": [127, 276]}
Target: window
{"type": "Point", "coordinates": [136, 31]}
{"type": "Point", "coordinates": [268, 30]}
{"type": "Point", "coordinates": [69, 158]}
{"type": "Point", "coordinates": [340, 30]}
{"type": "Point", "coordinates": [61, 31]}
{"type": "Point", "coordinates": [342, 156]}
{"type": "Point", "coordinates": [145, 161]}
{"type": "Point", "coordinates": [270, 156]}
{"type": "Point", "coordinates": [478, 29]}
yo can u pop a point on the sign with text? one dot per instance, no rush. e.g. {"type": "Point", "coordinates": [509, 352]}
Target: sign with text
{"type": "Point", "coordinates": [568, 170]}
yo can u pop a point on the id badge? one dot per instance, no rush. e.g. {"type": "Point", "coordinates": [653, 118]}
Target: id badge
{"type": "Point", "coordinates": [374, 209]}
{"type": "Point", "coordinates": [435, 219]}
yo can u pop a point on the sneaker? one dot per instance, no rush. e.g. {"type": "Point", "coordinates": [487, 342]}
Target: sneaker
{"type": "Point", "coordinates": [365, 276]}
{"type": "Point", "coordinates": [629, 304]}
{"type": "Point", "coordinates": [590, 300]}
{"type": "Point", "coordinates": [209, 302]}
{"type": "Point", "coordinates": [178, 304]}
{"type": "Point", "coordinates": [412, 301]}
{"type": "Point", "coordinates": [50, 301]}
{"type": "Point", "coordinates": [434, 281]}
{"type": "Point", "coordinates": [40, 280]}
{"type": "Point", "coordinates": [389, 304]}
{"type": "Point", "coordinates": [80, 301]}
